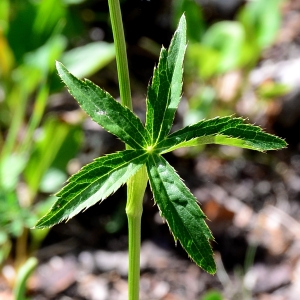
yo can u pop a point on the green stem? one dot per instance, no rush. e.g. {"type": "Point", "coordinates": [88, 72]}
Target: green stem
{"type": "Point", "coordinates": [137, 184]}
{"type": "Point", "coordinates": [35, 119]}
{"type": "Point", "coordinates": [121, 56]}
{"type": "Point", "coordinates": [17, 119]}
{"type": "Point", "coordinates": [22, 277]}
{"type": "Point", "coordinates": [134, 209]}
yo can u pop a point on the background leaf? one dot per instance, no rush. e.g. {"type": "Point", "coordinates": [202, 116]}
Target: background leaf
{"type": "Point", "coordinates": [261, 20]}
{"type": "Point", "coordinates": [86, 60]}
{"type": "Point", "coordinates": [179, 207]}
{"type": "Point", "coordinates": [226, 39]}
{"type": "Point", "coordinates": [51, 152]}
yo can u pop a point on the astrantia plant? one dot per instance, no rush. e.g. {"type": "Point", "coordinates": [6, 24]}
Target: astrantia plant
{"type": "Point", "coordinates": [143, 158]}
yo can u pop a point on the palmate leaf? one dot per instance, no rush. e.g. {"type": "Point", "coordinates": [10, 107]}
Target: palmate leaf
{"type": "Point", "coordinates": [181, 211]}
{"type": "Point", "coordinates": [105, 110]}
{"type": "Point", "coordinates": [93, 183]}
{"type": "Point", "coordinates": [165, 90]}
{"type": "Point", "coordinates": [105, 175]}
{"type": "Point", "coordinates": [224, 131]}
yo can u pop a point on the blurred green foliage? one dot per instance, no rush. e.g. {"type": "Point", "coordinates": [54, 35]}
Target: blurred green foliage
{"type": "Point", "coordinates": [223, 47]}
{"type": "Point", "coordinates": [35, 147]}
{"type": "Point", "coordinates": [212, 295]}
{"type": "Point", "coordinates": [227, 45]}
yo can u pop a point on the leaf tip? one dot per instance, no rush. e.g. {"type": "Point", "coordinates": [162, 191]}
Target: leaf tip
{"type": "Point", "coordinates": [211, 270]}
{"type": "Point", "coordinates": [182, 20]}
{"type": "Point", "coordinates": [39, 225]}
{"type": "Point", "coordinates": [58, 65]}
{"type": "Point", "coordinates": [181, 29]}
{"type": "Point", "coordinates": [61, 69]}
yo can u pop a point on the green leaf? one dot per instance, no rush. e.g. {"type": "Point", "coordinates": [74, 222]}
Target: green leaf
{"type": "Point", "coordinates": [224, 131]}
{"type": "Point", "coordinates": [105, 110]}
{"type": "Point", "coordinates": [49, 151]}
{"type": "Point", "coordinates": [181, 211]}
{"type": "Point", "coordinates": [86, 60]}
{"type": "Point", "coordinates": [204, 60]}
{"type": "Point", "coordinates": [261, 20]}
{"type": "Point", "coordinates": [102, 177]}
{"type": "Point", "coordinates": [165, 90]}
{"type": "Point", "coordinates": [93, 183]}
{"type": "Point", "coordinates": [212, 295]}
{"type": "Point", "coordinates": [227, 39]}
{"type": "Point", "coordinates": [10, 169]}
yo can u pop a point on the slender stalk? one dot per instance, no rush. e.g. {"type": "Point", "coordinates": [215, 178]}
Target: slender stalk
{"type": "Point", "coordinates": [18, 117]}
{"type": "Point", "coordinates": [137, 184]}
{"type": "Point", "coordinates": [134, 208]}
{"type": "Point", "coordinates": [23, 275]}
{"type": "Point", "coordinates": [134, 240]}
{"type": "Point", "coordinates": [121, 56]}
{"type": "Point", "coordinates": [21, 248]}
{"type": "Point", "coordinates": [35, 119]}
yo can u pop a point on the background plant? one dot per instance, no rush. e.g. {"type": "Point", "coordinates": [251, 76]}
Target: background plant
{"type": "Point", "coordinates": [32, 163]}
{"type": "Point", "coordinates": [224, 53]}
